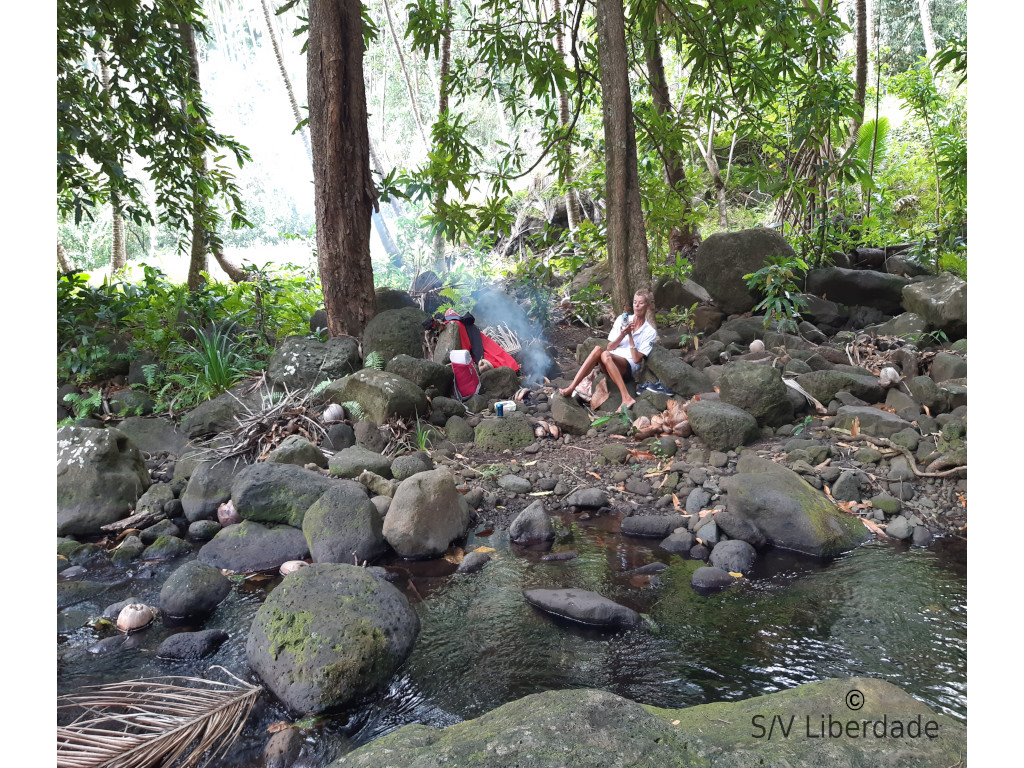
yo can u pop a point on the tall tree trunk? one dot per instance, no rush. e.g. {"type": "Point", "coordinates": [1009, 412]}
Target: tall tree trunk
{"type": "Point", "coordinates": [405, 74]}
{"type": "Point", "coordinates": [627, 241]}
{"type": "Point", "coordinates": [926, 28]}
{"type": "Point", "coordinates": [197, 260]}
{"type": "Point", "coordinates": [869, 12]}
{"type": "Point", "coordinates": [284, 76]}
{"type": "Point", "coordinates": [442, 115]}
{"type": "Point", "coordinates": [62, 257]}
{"type": "Point", "coordinates": [118, 251]}
{"type": "Point", "coordinates": [343, 187]}
{"type": "Point", "coordinates": [862, 70]}
{"type": "Point", "coordinates": [683, 237]}
{"type": "Point", "coordinates": [716, 174]}
{"type": "Point", "coordinates": [572, 202]}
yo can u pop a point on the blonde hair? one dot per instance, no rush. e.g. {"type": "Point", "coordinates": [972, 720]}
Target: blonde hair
{"type": "Point", "coordinates": [649, 297]}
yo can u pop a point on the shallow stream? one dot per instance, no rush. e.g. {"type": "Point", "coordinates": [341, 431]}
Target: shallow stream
{"type": "Point", "coordinates": [880, 611]}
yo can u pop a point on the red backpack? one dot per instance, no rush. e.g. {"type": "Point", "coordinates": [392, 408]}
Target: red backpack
{"type": "Point", "coordinates": [467, 377]}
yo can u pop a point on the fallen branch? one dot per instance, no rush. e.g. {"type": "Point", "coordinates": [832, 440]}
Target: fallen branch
{"type": "Point", "coordinates": [883, 442]}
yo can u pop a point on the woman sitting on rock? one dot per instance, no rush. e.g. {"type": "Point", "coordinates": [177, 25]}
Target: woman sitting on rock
{"type": "Point", "coordinates": [629, 342]}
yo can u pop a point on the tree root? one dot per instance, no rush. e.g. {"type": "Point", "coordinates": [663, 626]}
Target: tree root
{"type": "Point", "coordinates": [929, 471]}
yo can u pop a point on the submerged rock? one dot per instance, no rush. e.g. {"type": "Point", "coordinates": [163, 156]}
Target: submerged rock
{"type": "Point", "coordinates": [583, 606]}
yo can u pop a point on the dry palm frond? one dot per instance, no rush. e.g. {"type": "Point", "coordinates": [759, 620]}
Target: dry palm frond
{"type": "Point", "coordinates": [261, 430]}
{"type": "Point", "coordinates": [154, 721]}
{"type": "Point", "coordinates": [506, 338]}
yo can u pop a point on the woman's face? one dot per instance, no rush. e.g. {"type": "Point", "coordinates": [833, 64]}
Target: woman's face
{"type": "Point", "coordinates": [639, 306]}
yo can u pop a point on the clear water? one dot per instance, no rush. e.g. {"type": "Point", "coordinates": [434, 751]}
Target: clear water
{"type": "Point", "coordinates": [880, 611]}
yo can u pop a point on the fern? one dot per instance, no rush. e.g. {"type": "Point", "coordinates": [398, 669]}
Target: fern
{"type": "Point", "coordinates": [354, 409]}
{"type": "Point", "coordinates": [84, 405]}
{"type": "Point", "coordinates": [319, 388]}
{"type": "Point", "coordinates": [374, 360]}
{"type": "Point", "coordinates": [868, 138]}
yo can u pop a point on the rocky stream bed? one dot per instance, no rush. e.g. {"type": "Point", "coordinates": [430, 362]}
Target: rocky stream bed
{"type": "Point", "coordinates": [580, 531]}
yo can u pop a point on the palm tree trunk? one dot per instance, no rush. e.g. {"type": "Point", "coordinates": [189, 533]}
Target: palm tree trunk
{"type": "Point", "coordinates": [926, 28]}
{"type": "Point", "coordinates": [862, 70]}
{"type": "Point", "coordinates": [442, 115]}
{"type": "Point", "coordinates": [62, 257]}
{"type": "Point", "coordinates": [118, 252]}
{"type": "Point", "coordinates": [405, 74]}
{"type": "Point", "coordinates": [197, 259]}
{"type": "Point", "coordinates": [284, 76]}
{"type": "Point", "coordinates": [708, 151]}
{"type": "Point", "coordinates": [571, 200]}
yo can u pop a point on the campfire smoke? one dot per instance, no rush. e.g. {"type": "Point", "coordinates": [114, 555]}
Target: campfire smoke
{"type": "Point", "coordinates": [494, 310]}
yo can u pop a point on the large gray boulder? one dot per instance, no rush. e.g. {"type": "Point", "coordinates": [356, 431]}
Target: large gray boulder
{"type": "Point", "coordinates": [100, 477]}
{"type": "Point", "coordinates": [193, 591]}
{"type": "Point", "coordinates": [906, 324]}
{"type": "Point", "coordinates": [580, 728]}
{"type": "Point", "coordinates": [678, 376]}
{"type": "Point", "coordinates": [328, 634]}
{"type": "Point", "coordinates": [721, 426]}
{"type": "Point", "coordinates": [657, 526]}
{"type": "Point", "coordinates": [790, 513]}
{"type": "Point", "coordinates": [351, 462]}
{"type": "Point", "coordinates": [758, 390]}
{"type": "Point", "coordinates": [295, 449]}
{"type": "Point", "coordinates": [208, 487]}
{"type": "Point", "coordinates": [154, 435]}
{"type": "Point", "coordinates": [426, 514]}
{"type": "Point", "coordinates": [249, 547]}
{"type": "Point", "coordinates": [395, 332]}
{"type": "Point", "coordinates": [499, 383]}
{"type": "Point", "coordinates": [942, 302]}
{"type": "Point", "coordinates": [300, 363]}
{"type": "Point", "coordinates": [669, 293]}
{"type": "Point", "coordinates": [870, 421]}
{"type": "Point", "coordinates": [422, 373]}
{"type": "Point", "coordinates": [343, 525]}
{"type": "Point", "coordinates": [724, 258]}
{"type": "Point", "coordinates": [823, 386]}
{"type": "Point", "coordinates": [276, 493]}
{"type": "Point", "coordinates": [862, 287]}
{"type": "Point", "coordinates": [381, 395]}
{"type": "Point", "coordinates": [733, 555]}
{"type": "Point", "coordinates": [222, 412]}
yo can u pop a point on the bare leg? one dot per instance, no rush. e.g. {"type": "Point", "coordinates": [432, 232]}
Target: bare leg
{"type": "Point", "coordinates": [615, 366]}
{"type": "Point", "coordinates": [588, 365]}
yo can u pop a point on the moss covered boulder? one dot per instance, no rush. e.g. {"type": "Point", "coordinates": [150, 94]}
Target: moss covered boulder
{"type": "Point", "coordinates": [721, 426]}
{"type": "Point", "coordinates": [249, 547]}
{"type": "Point", "coordinates": [193, 590]}
{"type": "Point", "coordinates": [596, 729]}
{"type": "Point", "coordinates": [504, 434]}
{"type": "Point", "coordinates": [823, 386]}
{"type": "Point", "coordinates": [395, 332]}
{"type": "Point", "coordinates": [276, 493]}
{"type": "Point", "coordinates": [789, 512]}
{"type": "Point", "coordinates": [300, 363]}
{"type": "Point", "coordinates": [100, 476]}
{"type": "Point", "coordinates": [758, 390]}
{"type": "Point", "coordinates": [328, 634]}
{"type": "Point", "coordinates": [381, 395]}
{"type": "Point", "coordinates": [344, 526]}
{"type": "Point", "coordinates": [426, 515]}
{"type": "Point", "coordinates": [208, 487]}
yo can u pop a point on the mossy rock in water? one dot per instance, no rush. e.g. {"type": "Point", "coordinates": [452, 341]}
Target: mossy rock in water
{"type": "Point", "coordinates": [504, 434]}
{"type": "Point", "coordinates": [788, 511]}
{"type": "Point", "coordinates": [166, 547]}
{"type": "Point", "coordinates": [594, 729]}
{"type": "Point", "coordinates": [276, 493]}
{"type": "Point", "coordinates": [328, 634]}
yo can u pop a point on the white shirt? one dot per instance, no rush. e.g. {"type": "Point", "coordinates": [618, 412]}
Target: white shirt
{"type": "Point", "coordinates": [644, 339]}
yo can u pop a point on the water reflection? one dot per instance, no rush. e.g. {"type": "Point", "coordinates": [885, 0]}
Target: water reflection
{"type": "Point", "coordinates": [879, 611]}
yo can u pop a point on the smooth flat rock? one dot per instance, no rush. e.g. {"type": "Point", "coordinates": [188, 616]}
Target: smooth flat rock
{"type": "Point", "coordinates": [583, 606]}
